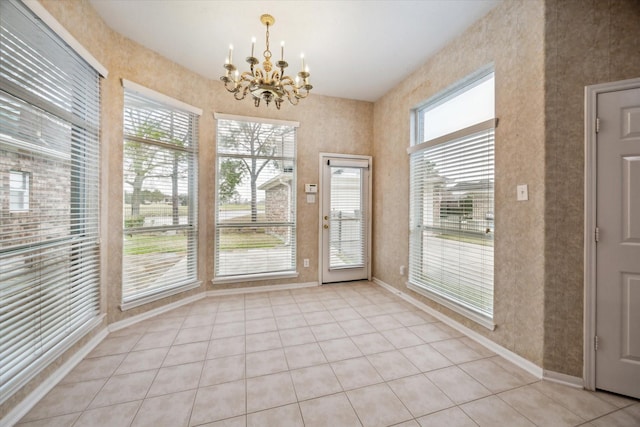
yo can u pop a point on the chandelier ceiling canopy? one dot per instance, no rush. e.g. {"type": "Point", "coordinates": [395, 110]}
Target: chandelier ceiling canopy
{"type": "Point", "coordinates": [269, 82]}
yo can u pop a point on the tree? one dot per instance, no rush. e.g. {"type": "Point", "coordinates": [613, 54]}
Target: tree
{"type": "Point", "coordinates": [261, 142]}
{"type": "Point", "coordinates": [231, 174]}
{"type": "Point", "coordinates": [144, 159]}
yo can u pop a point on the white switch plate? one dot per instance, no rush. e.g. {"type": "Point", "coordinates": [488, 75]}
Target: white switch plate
{"type": "Point", "coordinates": [311, 188]}
{"type": "Point", "coordinates": [305, 262]}
{"type": "Point", "coordinates": [522, 192]}
{"type": "Point", "coordinates": [311, 198]}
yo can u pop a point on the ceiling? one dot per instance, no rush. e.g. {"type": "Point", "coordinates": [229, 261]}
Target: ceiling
{"type": "Point", "coordinates": [354, 49]}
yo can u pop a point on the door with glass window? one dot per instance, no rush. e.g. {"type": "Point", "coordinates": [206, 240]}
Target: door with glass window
{"type": "Point", "coordinates": [345, 218]}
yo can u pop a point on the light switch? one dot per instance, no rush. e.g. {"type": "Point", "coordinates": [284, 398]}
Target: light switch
{"type": "Point", "coordinates": [523, 192]}
{"type": "Point", "coordinates": [311, 198]}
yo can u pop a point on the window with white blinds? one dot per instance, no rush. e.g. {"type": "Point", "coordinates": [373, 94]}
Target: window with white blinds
{"type": "Point", "coordinates": [452, 206]}
{"type": "Point", "coordinates": [255, 199]}
{"type": "Point", "coordinates": [160, 198]}
{"type": "Point", "coordinates": [49, 196]}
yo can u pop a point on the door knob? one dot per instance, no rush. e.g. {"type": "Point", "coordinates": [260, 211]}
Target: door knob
{"type": "Point", "coordinates": [326, 218]}
{"type": "Point", "coordinates": [326, 226]}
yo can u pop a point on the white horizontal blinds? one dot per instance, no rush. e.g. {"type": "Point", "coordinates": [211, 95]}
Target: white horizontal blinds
{"type": "Point", "coordinates": [255, 198]}
{"type": "Point", "coordinates": [346, 221]}
{"type": "Point", "coordinates": [160, 188]}
{"type": "Point", "coordinates": [451, 220]}
{"type": "Point", "coordinates": [49, 166]}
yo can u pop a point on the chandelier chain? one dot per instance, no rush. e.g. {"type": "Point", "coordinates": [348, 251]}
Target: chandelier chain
{"type": "Point", "coordinates": [267, 52]}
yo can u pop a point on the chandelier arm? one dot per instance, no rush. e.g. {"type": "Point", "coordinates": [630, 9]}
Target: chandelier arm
{"type": "Point", "coordinates": [233, 88]}
{"type": "Point", "coordinates": [287, 81]}
{"type": "Point", "coordinates": [302, 94]}
{"type": "Point", "coordinates": [293, 99]}
{"type": "Point", "coordinates": [240, 94]}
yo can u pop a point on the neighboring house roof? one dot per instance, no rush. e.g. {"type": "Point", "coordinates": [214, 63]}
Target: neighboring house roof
{"type": "Point", "coordinates": [281, 179]}
{"type": "Point", "coordinates": [482, 185]}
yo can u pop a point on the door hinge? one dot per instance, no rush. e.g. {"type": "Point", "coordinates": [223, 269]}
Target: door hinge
{"type": "Point", "coordinates": [597, 234]}
{"type": "Point", "coordinates": [595, 343]}
{"type": "Point", "coordinates": [597, 124]}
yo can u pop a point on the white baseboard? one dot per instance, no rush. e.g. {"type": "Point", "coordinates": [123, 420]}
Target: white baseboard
{"type": "Point", "coordinates": [512, 357]}
{"type": "Point", "coordinates": [22, 408]}
{"type": "Point", "coordinates": [563, 379]}
{"type": "Point", "coordinates": [255, 289]}
{"type": "Point", "coordinates": [151, 313]}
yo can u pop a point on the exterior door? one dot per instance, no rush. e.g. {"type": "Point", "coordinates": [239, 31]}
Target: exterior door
{"type": "Point", "coordinates": [345, 218]}
{"type": "Point", "coordinates": [618, 247]}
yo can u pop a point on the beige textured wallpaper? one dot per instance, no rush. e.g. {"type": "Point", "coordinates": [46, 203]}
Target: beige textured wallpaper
{"type": "Point", "coordinates": [588, 42]}
{"type": "Point", "coordinates": [511, 38]}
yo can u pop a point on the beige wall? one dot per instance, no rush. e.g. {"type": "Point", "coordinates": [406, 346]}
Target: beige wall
{"type": "Point", "coordinates": [588, 42]}
{"type": "Point", "coordinates": [510, 37]}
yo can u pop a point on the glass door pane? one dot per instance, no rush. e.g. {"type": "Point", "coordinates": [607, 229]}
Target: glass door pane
{"type": "Point", "coordinates": [346, 224]}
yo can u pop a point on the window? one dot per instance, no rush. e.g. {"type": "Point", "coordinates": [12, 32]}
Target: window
{"type": "Point", "coordinates": [18, 191]}
{"type": "Point", "coordinates": [160, 196]}
{"type": "Point", "coordinates": [49, 166]}
{"type": "Point", "coordinates": [255, 199]}
{"type": "Point", "coordinates": [452, 199]}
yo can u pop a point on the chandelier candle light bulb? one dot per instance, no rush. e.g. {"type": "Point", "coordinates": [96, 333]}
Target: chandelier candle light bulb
{"type": "Point", "coordinates": [266, 83]}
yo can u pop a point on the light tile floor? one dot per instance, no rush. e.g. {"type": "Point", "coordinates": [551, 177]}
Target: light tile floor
{"type": "Point", "coordinates": [340, 355]}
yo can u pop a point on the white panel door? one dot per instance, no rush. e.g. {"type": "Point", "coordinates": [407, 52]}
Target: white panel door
{"type": "Point", "coordinates": [618, 247]}
{"type": "Point", "coordinates": [345, 223]}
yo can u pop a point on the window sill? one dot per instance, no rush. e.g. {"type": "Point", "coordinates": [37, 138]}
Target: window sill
{"type": "Point", "coordinates": [254, 277]}
{"type": "Point", "coordinates": [485, 321]}
{"type": "Point", "coordinates": [163, 293]}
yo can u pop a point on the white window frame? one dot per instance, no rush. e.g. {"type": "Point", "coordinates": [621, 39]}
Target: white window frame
{"type": "Point", "coordinates": [19, 185]}
{"type": "Point", "coordinates": [292, 222]}
{"type": "Point", "coordinates": [167, 284]}
{"type": "Point", "coordinates": [484, 130]}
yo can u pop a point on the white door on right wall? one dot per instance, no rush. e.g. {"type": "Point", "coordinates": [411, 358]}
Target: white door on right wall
{"type": "Point", "coordinates": [618, 247]}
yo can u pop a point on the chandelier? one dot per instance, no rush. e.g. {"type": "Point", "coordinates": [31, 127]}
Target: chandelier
{"type": "Point", "coordinates": [266, 83]}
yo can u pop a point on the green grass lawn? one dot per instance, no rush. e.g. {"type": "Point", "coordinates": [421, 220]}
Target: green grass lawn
{"type": "Point", "coordinates": [141, 244]}
{"type": "Point", "coordinates": [156, 209]}
{"type": "Point", "coordinates": [234, 240]}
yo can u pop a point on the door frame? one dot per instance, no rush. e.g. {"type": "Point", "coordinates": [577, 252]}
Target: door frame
{"type": "Point", "coordinates": [322, 158]}
{"type": "Point", "coordinates": [590, 221]}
